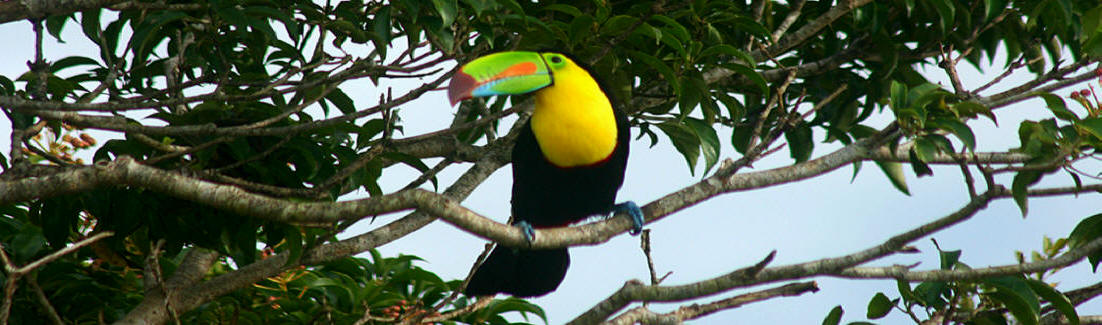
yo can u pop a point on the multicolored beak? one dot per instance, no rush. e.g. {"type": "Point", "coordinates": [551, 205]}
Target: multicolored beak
{"type": "Point", "coordinates": [502, 73]}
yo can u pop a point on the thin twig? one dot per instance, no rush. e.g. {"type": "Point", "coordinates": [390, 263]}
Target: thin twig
{"type": "Point", "coordinates": [797, 8]}
{"type": "Point", "coordinates": [40, 296]}
{"type": "Point", "coordinates": [429, 174]}
{"type": "Point", "coordinates": [470, 274]}
{"type": "Point", "coordinates": [16, 272]}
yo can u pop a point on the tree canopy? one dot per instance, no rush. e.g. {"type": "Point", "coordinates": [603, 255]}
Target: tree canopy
{"type": "Point", "coordinates": [204, 160]}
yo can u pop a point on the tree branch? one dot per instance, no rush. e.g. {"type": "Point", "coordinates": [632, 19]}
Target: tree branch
{"type": "Point", "coordinates": [795, 38]}
{"type": "Point", "coordinates": [902, 154]}
{"type": "Point", "coordinates": [636, 291]}
{"type": "Point", "coordinates": [203, 292]}
{"type": "Point", "coordinates": [904, 273]}
{"type": "Point", "coordinates": [17, 272]}
{"type": "Point", "coordinates": [26, 9]}
{"type": "Point", "coordinates": [695, 311]}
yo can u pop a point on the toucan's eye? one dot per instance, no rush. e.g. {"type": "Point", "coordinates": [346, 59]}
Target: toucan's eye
{"type": "Point", "coordinates": [556, 59]}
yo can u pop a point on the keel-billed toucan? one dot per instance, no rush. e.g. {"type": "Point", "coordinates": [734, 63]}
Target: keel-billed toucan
{"type": "Point", "coordinates": [568, 161]}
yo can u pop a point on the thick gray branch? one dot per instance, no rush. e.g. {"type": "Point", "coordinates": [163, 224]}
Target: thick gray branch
{"type": "Point", "coordinates": [27, 9]}
{"type": "Point", "coordinates": [152, 308]}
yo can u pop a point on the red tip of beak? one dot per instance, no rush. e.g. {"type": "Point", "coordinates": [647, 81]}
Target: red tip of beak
{"type": "Point", "coordinates": [460, 87]}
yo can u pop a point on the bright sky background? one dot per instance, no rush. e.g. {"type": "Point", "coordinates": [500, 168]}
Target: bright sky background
{"type": "Point", "coordinates": [825, 216]}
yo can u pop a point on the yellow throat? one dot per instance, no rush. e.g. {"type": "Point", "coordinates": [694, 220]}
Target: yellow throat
{"type": "Point", "coordinates": [573, 121]}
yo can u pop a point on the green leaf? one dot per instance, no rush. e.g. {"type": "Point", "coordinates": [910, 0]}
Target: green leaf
{"type": "Point", "coordinates": [689, 98]}
{"type": "Point", "coordinates": [751, 26]}
{"type": "Point", "coordinates": [150, 34]}
{"type": "Point", "coordinates": [382, 30]}
{"type": "Point", "coordinates": [1092, 125]}
{"type": "Point", "coordinates": [925, 148]}
{"type": "Point", "coordinates": [342, 101]}
{"type": "Point", "coordinates": [59, 219]}
{"type": "Point", "coordinates": [512, 6]}
{"type": "Point", "coordinates": [973, 109]}
{"type": "Point", "coordinates": [709, 142]}
{"type": "Point", "coordinates": [516, 304]}
{"type": "Point", "coordinates": [663, 69]}
{"type": "Point", "coordinates": [925, 94]}
{"type": "Point", "coordinates": [1014, 293]}
{"type": "Point", "coordinates": [898, 96]}
{"type": "Point", "coordinates": [1085, 232]}
{"type": "Point", "coordinates": [834, 317]}
{"type": "Point", "coordinates": [930, 294]}
{"type": "Point", "coordinates": [740, 138]}
{"type": "Point", "coordinates": [894, 171]}
{"type": "Point", "coordinates": [1092, 21]}
{"type": "Point", "coordinates": [26, 244]}
{"type": "Point", "coordinates": [751, 74]}
{"type": "Point", "coordinates": [800, 143]}
{"type": "Point", "coordinates": [992, 8]}
{"type": "Point", "coordinates": [948, 258]}
{"type": "Point", "coordinates": [905, 292]}
{"type": "Point", "coordinates": [660, 36]}
{"type": "Point", "coordinates": [618, 24]}
{"type": "Point", "coordinates": [672, 26]}
{"type": "Point", "coordinates": [735, 109]}
{"type": "Point", "coordinates": [564, 8]}
{"type": "Point", "coordinates": [294, 244]}
{"type": "Point", "coordinates": [54, 25]}
{"type": "Point", "coordinates": [72, 61]}
{"type": "Point", "coordinates": [685, 140]}
{"type": "Point", "coordinates": [947, 11]}
{"type": "Point", "coordinates": [1020, 186]}
{"type": "Point", "coordinates": [919, 167]}
{"type": "Point", "coordinates": [1057, 106]}
{"type": "Point", "coordinates": [879, 306]}
{"type": "Point", "coordinates": [447, 9]}
{"type": "Point", "coordinates": [959, 129]}
{"type": "Point", "coordinates": [1055, 298]}
{"type": "Point", "coordinates": [726, 49]}
{"type": "Point", "coordinates": [582, 28]}
{"type": "Point", "coordinates": [290, 25]}
{"type": "Point", "coordinates": [90, 24]}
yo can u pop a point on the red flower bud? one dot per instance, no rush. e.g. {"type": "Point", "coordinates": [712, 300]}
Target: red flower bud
{"type": "Point", "coordinates": [88, 138]}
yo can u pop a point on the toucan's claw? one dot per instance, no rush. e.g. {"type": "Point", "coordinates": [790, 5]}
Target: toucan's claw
{"type": "Point", "coordinates": [529, 232]}
{"type": "Point", "coordinates": [634, 212]}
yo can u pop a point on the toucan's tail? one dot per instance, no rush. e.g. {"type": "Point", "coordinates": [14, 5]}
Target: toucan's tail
{"type": "Point", "coordinates": [519, 272]}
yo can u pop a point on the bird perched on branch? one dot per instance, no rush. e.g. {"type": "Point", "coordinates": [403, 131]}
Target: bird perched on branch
{"type": "Point", "coordinates": [568, 162]}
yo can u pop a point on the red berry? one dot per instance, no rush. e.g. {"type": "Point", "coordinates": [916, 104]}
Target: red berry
{"type": "Point", "coordinates": [1098, 72]}
{"type": "Point", "coordinates": [1084, 92]}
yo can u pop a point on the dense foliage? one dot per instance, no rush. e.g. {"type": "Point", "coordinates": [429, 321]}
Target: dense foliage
{"type": "Point", "coordinates": [229, 101]}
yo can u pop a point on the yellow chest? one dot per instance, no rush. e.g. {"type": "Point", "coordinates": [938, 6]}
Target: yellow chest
{"type": "Point", "coordinates": [574, 123]}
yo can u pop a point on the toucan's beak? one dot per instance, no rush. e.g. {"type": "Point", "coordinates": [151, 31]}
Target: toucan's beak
{"type": "Point", "coordinates": [502, 73]}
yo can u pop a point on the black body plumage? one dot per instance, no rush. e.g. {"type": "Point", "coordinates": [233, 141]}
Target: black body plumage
{"type": "Point", "coordinates": [545, 195]}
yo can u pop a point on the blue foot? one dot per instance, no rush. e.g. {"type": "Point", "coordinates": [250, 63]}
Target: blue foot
{"type": "Point", "coordinates": [529, 232]}
{"type": "Point", "coordinates": [635, 214]}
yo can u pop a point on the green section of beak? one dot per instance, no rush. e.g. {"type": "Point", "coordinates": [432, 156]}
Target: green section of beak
{"type": "Point", "coordinates": [503, 73]}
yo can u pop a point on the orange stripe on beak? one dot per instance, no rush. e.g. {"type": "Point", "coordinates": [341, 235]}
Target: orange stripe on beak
{"type": "Point", "coordinates": [519, 69]}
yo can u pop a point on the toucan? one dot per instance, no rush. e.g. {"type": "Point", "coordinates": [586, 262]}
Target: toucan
{"type": "Point", "coordinates": [568, 161]}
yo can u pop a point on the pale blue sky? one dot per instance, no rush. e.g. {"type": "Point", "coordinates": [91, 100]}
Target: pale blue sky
{"type": "Point", "coordinates": [822, 217]}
